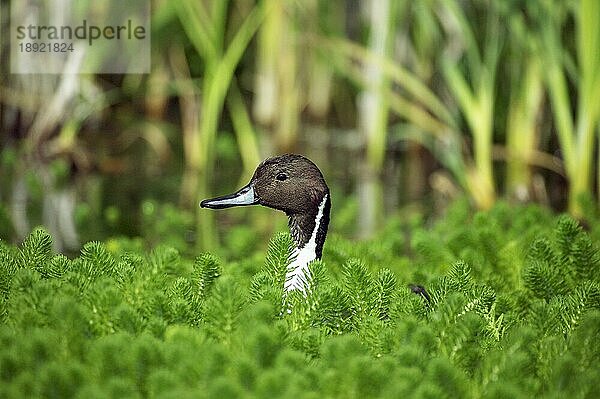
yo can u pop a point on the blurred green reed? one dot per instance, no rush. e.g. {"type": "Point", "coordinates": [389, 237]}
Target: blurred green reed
{"type": "Point", "coordinates": [473, 88]}
{"type": "Point", "coordinates": [565, 75]}
{"type": "Point", "coordinates": [373, 114]}
{"type": "Point", "coordinates": [472, 91]}
{"type": "Point", "coordinates": [472, 49]}
{"type": "Point", "coordinates": [504, 95]}
{"type": "Point", "coordinates": [206, 27]}
{"type": "Point", "coordinates": [277, 101]}
{"type": "Point", "coordinates": [526, 100]}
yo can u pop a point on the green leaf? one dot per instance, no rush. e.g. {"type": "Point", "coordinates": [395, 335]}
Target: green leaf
{"type": "Point", "coordinates": [206, 270]}
{"type": "Point", "coordinates": [36, 251]}
{"type": "Point", "coordinates": [385, 287]}
{"type": "Point", "coordinates": [358, 286]}
{"type": "Point", "coordinates": [222, 310]}
{"type": "Point", "coordinates": [278, 258]}
{"type": "Point", "coordinates": [97, 260]}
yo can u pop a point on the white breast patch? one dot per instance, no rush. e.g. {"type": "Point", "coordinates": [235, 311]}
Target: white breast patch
{"type": "Point", "coordinates": [298, 273]}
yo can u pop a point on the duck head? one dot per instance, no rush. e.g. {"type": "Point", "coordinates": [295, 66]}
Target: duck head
{"type": "Point", "coordinates": [293, 184]}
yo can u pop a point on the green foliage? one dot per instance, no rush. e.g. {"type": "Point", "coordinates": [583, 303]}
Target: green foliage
{"type": "Point", "coordinates": [206, 271]}
{"type": "Point", "coordinates": [36, 250]}
{"type": "Point", "coordinates": [268, 283]}
{"type": "Point", "coordinates": [514, 311]}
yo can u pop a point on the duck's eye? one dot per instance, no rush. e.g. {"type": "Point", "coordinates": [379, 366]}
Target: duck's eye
{"type": "Point", "coordinates": [282, 176]}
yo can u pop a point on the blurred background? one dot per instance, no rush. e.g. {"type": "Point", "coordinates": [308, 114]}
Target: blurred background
{"type": "Point", "coordinates": [405, 106]}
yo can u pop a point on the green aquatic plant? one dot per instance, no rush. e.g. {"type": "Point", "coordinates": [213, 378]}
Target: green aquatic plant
{"type": "Point", "coordinates": [514, 311]}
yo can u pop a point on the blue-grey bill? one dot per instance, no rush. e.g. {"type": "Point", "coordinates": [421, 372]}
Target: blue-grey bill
{"type": "Point", "coordinates": [244, 196]}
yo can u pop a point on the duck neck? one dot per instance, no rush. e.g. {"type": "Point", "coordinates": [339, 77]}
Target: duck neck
{"type": "Point", "coordinates": [308, 230]}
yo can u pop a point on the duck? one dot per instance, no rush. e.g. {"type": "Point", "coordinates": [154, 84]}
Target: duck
{"type": "Point", "coordinates": [293, 184]}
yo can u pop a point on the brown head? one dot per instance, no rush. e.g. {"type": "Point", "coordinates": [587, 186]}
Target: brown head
{"type": "Point", "coordinates": [290, 183]}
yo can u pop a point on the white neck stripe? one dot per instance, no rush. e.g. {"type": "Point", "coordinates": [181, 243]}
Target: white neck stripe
{"type": "Point", "coordinates": [298, 273]}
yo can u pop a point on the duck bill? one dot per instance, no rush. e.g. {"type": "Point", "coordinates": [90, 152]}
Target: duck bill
{"type": "Point", "coordinates": [245, 196]}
